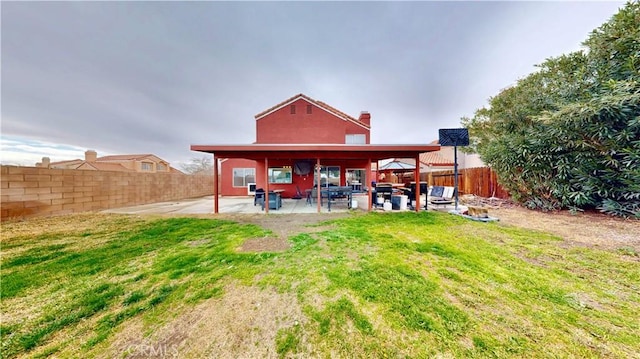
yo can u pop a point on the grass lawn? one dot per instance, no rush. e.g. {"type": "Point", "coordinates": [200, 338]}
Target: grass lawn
{"type": "Point", "coordinates": [369, 285]}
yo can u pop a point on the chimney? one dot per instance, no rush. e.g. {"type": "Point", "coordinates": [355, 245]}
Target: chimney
{"type": "Point", "coordinates": [90, 156]}
{"type": "Point", "coordinates": [44, 164]}
{"type": "Point", "coordinates": [365, 118]}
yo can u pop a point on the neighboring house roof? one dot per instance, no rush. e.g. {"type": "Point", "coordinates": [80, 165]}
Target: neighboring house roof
{"type": "Point", "coordinates": [320, 104]}
{"type": "Point", "coordinates": [434, 159]}
{"type": "Point", "coordinates": [105, 166]}
{"type": "Point", "coordinates": [111, 163]}
{"type": "Point", "coordinates": [67, 162]}
{"type": "Point", "coordinates": [137, 157]}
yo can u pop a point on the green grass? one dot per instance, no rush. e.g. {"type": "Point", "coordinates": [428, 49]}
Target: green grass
{"type": "Point", "coordinates": [374, 285]}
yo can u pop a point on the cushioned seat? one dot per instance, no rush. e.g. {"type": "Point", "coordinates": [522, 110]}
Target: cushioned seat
{"type": "Point", "coordinates": [275, 201]}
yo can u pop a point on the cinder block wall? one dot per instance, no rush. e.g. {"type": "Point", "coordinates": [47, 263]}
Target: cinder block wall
{"type": "Point", "coordinates": [31, 191]}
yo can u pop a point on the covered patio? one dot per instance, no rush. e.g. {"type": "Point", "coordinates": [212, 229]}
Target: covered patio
{"type": "Point", "coordinates": [320, 154]}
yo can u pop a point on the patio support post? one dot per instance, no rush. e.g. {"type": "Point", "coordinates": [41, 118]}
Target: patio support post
{"type": "Point", "coordinates": [368, 182]}
{"type": "Point", "coordinates": [318, 187]}
{"type": "Point", "coordinates": [265, 198]}
{"type": "Point", "coordinates": [215, 185]}
{"type": "Point", "coordinates": [417, 177]}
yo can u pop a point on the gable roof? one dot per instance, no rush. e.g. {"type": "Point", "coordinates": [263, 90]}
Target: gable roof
{"type": "Point", "coordinates": [332, 110]}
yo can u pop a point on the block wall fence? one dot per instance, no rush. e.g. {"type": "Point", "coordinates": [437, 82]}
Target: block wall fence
{"type": "Point", "coordinates": [31, 191]}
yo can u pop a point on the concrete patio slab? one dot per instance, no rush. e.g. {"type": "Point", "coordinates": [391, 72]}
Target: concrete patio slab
{"type": "Point", "coordinates": [204, 205]}
{"type": "Point", "coordinates": [244, 204]}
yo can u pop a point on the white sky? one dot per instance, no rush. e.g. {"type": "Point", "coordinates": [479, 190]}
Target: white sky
{"type": "Point", "coordinates": [156, 77]}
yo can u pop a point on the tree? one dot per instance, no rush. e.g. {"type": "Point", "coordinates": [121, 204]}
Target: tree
{"type": "Point", "coordinates": [201, 165]}
{"type": "Point", "coordinates": [568, 135]}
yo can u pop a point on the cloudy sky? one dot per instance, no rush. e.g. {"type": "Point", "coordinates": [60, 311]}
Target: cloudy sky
{"type": "Point", "coordinates": [156, 77]}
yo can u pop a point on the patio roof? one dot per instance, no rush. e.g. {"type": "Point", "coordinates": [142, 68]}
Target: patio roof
{"type": "Point", "coordinates": [312, 151]}
{"type": "Point", "coordinates": [319, 152]}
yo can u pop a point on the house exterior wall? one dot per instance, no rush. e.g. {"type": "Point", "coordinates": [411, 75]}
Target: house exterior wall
{"type": "Point", "coordinates": [226, 168]}
{"type": "Point", "coordinates": [31, 191]}
{"type": "Point", "coordinates": [465, 160]}
{"type": "Point", "coordinates": [303, 182]}
{"type": "Point", "coordinates": [320, 126]}
{"type": "Point", "coordinates": [284, 127]}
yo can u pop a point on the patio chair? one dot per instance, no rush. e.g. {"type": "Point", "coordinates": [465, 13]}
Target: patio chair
{"type": "Point", "coordinates": [258, 197]}
{"type": "Point", "coordinates": [298, 194]}
{"type": "Point", "coordinates": [441, 195]}
{"type": "Point", "coordinates": [275, 201]}
{"type": "Point", "coordinates": [411, 193]}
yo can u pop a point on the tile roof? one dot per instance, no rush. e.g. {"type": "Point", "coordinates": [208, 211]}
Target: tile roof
{"type": "Point", "coordinates": [77, 160]}
{"type": "Point", "coordinates": [124, 157]}
{"type": "Point", "coordinates": [434, 159]}
{"type": "Point", "coordinates": [101, 166]}
{"type": "Point", "coordinates": [320, 104]}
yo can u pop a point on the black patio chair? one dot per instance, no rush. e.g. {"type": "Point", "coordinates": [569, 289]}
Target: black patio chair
{"type": "Point", "coordinates": [258, 198]}
{"type": "Point", "coordinates": [411, 193]}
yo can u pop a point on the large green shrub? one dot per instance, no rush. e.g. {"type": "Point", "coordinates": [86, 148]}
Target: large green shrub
{"type": "Point", "coordinates": [568, 135]}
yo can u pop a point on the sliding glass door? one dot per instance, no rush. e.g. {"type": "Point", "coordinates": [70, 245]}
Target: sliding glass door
{"type": "Point", "coordinates": [329, 176]}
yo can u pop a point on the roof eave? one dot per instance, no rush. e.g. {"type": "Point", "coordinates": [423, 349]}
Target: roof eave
{"type": "Point", "coordinates": [374, 152]}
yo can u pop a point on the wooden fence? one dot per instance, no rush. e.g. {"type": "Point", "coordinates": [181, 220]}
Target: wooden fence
{"type": "Point", "coordinates": [480, 181]}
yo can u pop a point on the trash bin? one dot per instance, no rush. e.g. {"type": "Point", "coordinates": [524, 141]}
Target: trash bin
{"type": "Point", "coordinates": [403, 202]}
{"type": "Point", "coordinates": [395, 202]}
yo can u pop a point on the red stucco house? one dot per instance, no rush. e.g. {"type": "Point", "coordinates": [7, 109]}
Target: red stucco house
{"type": "Point", "coordinates": [300, 142]}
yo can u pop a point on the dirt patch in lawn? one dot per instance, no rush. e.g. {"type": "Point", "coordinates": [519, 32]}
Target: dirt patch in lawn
{"type": "Point", "coordinates": [245, 320]}
{"type": "Point", "coordinates": [288, 225]}
{"type": "Point", "coordinates": [591, 228]}
{"type": "Point", "coordinates": [283, 226]}
{"type": "Point", "coordinates": [267, 244]}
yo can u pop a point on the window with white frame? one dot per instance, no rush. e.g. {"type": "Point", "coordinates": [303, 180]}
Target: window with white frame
{"type": "Point", "coordinates": [280, 174]}
{"type": "Point", "coordinates": [146, 166]}
{"type": "Point", "coordinates": [355, 139]}
{"type": "Point", "coordinates": [243, 176]}
{"type": "Point", "coordinates": [161, 167]}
